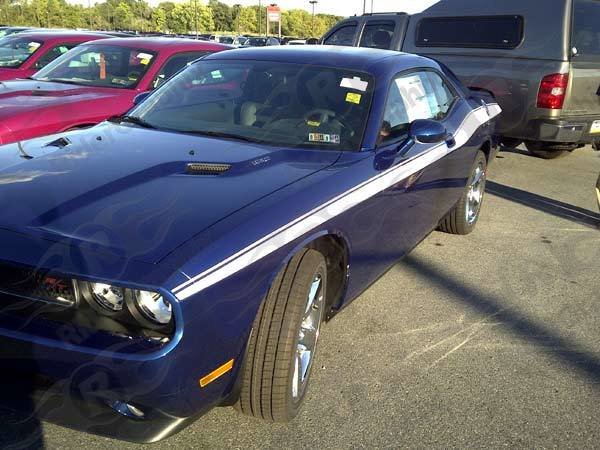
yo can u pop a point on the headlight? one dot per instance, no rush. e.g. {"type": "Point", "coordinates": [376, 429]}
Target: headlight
{"type": "Point", "coordinates": [153, 307]}
{"type": "Point", "coordinates": [109, 298]}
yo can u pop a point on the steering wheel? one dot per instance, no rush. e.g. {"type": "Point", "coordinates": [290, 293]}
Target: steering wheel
{"type": "Point", "coordinates": [323, 115]}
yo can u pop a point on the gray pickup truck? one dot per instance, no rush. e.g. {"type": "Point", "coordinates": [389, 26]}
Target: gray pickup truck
{"type": "Point", "coordinates": [541, 60]}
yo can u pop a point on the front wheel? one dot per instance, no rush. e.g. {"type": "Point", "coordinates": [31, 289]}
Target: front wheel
{"type": "Point", "coordinates": [463, 218]}
{"type": "Point", "coordinates": [284, 339]}
{"type": "Point", "coordinates": [546, 150]}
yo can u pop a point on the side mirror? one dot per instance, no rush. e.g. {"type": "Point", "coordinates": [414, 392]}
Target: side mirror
{"type": "Point", "coordinates": [140, 98]}
{"type": "Point", "coordinates": [428, 131]}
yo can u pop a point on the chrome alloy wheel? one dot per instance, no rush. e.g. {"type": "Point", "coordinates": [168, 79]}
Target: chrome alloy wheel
{"type": "Point", "coordinates": [308, 335]}
{"type": "Point", "coordinates": [475, 194]}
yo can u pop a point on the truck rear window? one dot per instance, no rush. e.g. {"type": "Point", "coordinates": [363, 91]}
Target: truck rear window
{"type": "Point", "coordinates": [586, 29]}
{"type": "Point", "coordinates": [502, 32]}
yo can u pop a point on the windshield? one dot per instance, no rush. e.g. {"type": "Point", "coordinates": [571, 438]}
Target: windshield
{"type": "Point", "coordinates": [99, 65]}
{"type": "Point", "coordinates": [14, 51]}
{"type": "Point", "coordinates": [274, 103]}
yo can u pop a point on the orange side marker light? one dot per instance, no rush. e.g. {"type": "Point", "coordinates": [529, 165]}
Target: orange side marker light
{"type": "Point", "coordinates": [204, 381]}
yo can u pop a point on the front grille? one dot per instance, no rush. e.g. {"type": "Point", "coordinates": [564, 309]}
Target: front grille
{"type": "Point", "coordinates": [36, 285]}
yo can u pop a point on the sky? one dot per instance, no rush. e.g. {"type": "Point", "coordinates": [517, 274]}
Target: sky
{"type": "Point", "coordinates": [337, 7]}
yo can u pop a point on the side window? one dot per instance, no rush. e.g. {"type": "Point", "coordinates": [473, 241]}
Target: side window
{"type": "Point", "coordinates": [52, 54]}
{"type": "Point", "coordinates": [586, 32]}
{"type": "Point", "coordinates": [378, 35]}
{"type": "Point", "coordinates": [174, 65]}
{"type": "Point", "coordinates": [443, 95]}
{"type": "Point", "coordinates": [342, 36]}
{"type": "Point", "coordinates": [414, 96]}
{"type": "Point", "coordinates": [503, 32]}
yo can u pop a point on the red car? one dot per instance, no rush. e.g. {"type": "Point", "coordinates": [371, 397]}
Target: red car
{"type": "Point", "coordinates": [23, 54]}
{"type": "Point", "coordinates": [91, 83]}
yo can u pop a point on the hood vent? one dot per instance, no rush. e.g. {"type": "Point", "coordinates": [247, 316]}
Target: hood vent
{"type": "Point", "coordinates": [207, 168]}
{"type": "Point", "coordinates": [60, 143]}
{"type": "Point", "coordinates": [38, 93]}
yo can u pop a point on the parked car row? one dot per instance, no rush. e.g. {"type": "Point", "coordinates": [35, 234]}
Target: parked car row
{"type": "Point", "coordinates": [187, 248]}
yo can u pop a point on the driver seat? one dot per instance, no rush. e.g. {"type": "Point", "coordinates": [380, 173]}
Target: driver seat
{"type": "Point", "coordinates": [249, 113]}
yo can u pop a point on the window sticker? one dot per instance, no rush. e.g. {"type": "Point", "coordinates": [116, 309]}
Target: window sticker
{"type": "Point", "coordinates": [351, 97]}
{"type": "Point", "coordinates": [33, 46]}
{"type": "Point", "coordinates": [144, 58]}
{"type": "Point", "coordinates": [313, 123]}
{"type": "Point", "coordinates": [354, 83]}
{"type": "Point", "coordinates": [324, 138]}
{"type": "Point", "coordinates": [415, 98]}
{"type": "Point", "coordinates": [216, 75]}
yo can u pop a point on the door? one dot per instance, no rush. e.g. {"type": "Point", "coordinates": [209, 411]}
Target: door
{"type": "Point", "coordinates": [584, 98]}
{"type": "Point", "coordinates": [423, 184]}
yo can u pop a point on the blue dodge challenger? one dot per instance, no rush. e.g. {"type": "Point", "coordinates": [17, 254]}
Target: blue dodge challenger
{"type": "Point", "coordinates": [184, 256]}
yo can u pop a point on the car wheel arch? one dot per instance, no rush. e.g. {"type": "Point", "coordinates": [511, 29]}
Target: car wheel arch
{"type": "Point", "coordinates": [336, 249]}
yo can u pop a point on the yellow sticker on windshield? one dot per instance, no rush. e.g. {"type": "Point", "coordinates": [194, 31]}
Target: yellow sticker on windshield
{"type": "Point", "coordinates": [312, 123]}
{"type": "Point", "coordinates": [144, 58]}
{"type": "Point", "coordinates": [33, 46]}
{"type": "Point", "coordinates": [351, 97]}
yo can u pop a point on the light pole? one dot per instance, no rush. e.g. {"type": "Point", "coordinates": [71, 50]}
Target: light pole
{"type": "Point", "coordinates": [313, 3]}
{"type": "Point", "coordinates": [364, 6]}
{"type": "Point", "coordinates": [238, 8]}
{"type": "Point", "coordinates": [259, 18]}
{"type": "Point", "coordinates": [196, 17]}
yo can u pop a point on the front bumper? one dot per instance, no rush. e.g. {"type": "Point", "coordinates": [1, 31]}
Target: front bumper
{"type": "Point", "coordinates": [36, 396]}
{"type": "Point", "coordinates": [74, 376]}
{"type": "Point", "coordinates": [574, 130]}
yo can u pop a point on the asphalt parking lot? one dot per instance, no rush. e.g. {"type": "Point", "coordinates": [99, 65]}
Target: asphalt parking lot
{"type": "Point", "coordinates": [488, 340]}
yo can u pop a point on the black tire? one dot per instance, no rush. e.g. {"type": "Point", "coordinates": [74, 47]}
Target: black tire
{"type": "Point", "coordinates": [456, 221]}
{"type": "Point", "coordinates": [546, 150]}
{"type": "Point", "coordinates": [508, 142]}
{"type": "Point", "coordinates": [269, 372]}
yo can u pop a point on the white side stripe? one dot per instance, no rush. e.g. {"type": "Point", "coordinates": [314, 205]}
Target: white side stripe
{"type": "Point", "coordinates": [334, 207]}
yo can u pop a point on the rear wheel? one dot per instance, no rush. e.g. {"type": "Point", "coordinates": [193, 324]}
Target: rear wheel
{"type": "Point", "coordinates": [463, 218]}
{"type": "Point", "coordinates": [283, 341]}
{"type": "Point", "coordinates": [549, 150]}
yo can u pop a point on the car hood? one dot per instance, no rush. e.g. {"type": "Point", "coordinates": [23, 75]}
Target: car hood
{"type": "Point", "coordinates": [130, 191]}
{"type": "Point", "coordinates": [29, 95]}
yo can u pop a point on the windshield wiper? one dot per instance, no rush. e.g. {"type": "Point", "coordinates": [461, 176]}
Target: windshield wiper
{"type": "Point", "coordinates": [132, 119]}
{"type": "Point", "coordinates": [57, 80]}
{"type": "Point", "coordinates": [218, 134]}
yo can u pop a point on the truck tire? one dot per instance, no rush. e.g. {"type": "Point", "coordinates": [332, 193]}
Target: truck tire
{"type": "Point", "coordinates": [283, 340]}
{"type": "Point", "coordinates": [549, 150]}
{"type": "Point", "coordinates": [463, 217]}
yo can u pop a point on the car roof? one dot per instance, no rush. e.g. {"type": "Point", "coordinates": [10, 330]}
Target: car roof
{"type": "Point", "coordinates": [161, 43]}
{"type": "Point", "coordinates": [50, 36]}
{"type": "Point", "coordinates": [331, 56]}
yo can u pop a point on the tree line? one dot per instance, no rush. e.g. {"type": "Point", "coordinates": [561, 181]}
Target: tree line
{"type": "Point", "coordinates": [166, 17]}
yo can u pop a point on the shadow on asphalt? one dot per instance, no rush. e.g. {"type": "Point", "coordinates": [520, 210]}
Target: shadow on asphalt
{"type": "Point", "coordinates": [20, 432]}
{"type": "Point", "coordinates": [545, 204]}
{"type": "Point", "coordinates": [517, 151]}
{"type": "Point", "coordinates": [525, 328]}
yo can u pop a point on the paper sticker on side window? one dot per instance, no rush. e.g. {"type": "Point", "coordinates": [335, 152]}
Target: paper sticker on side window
{"type": "Point", "coordinates": [415, 98]}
